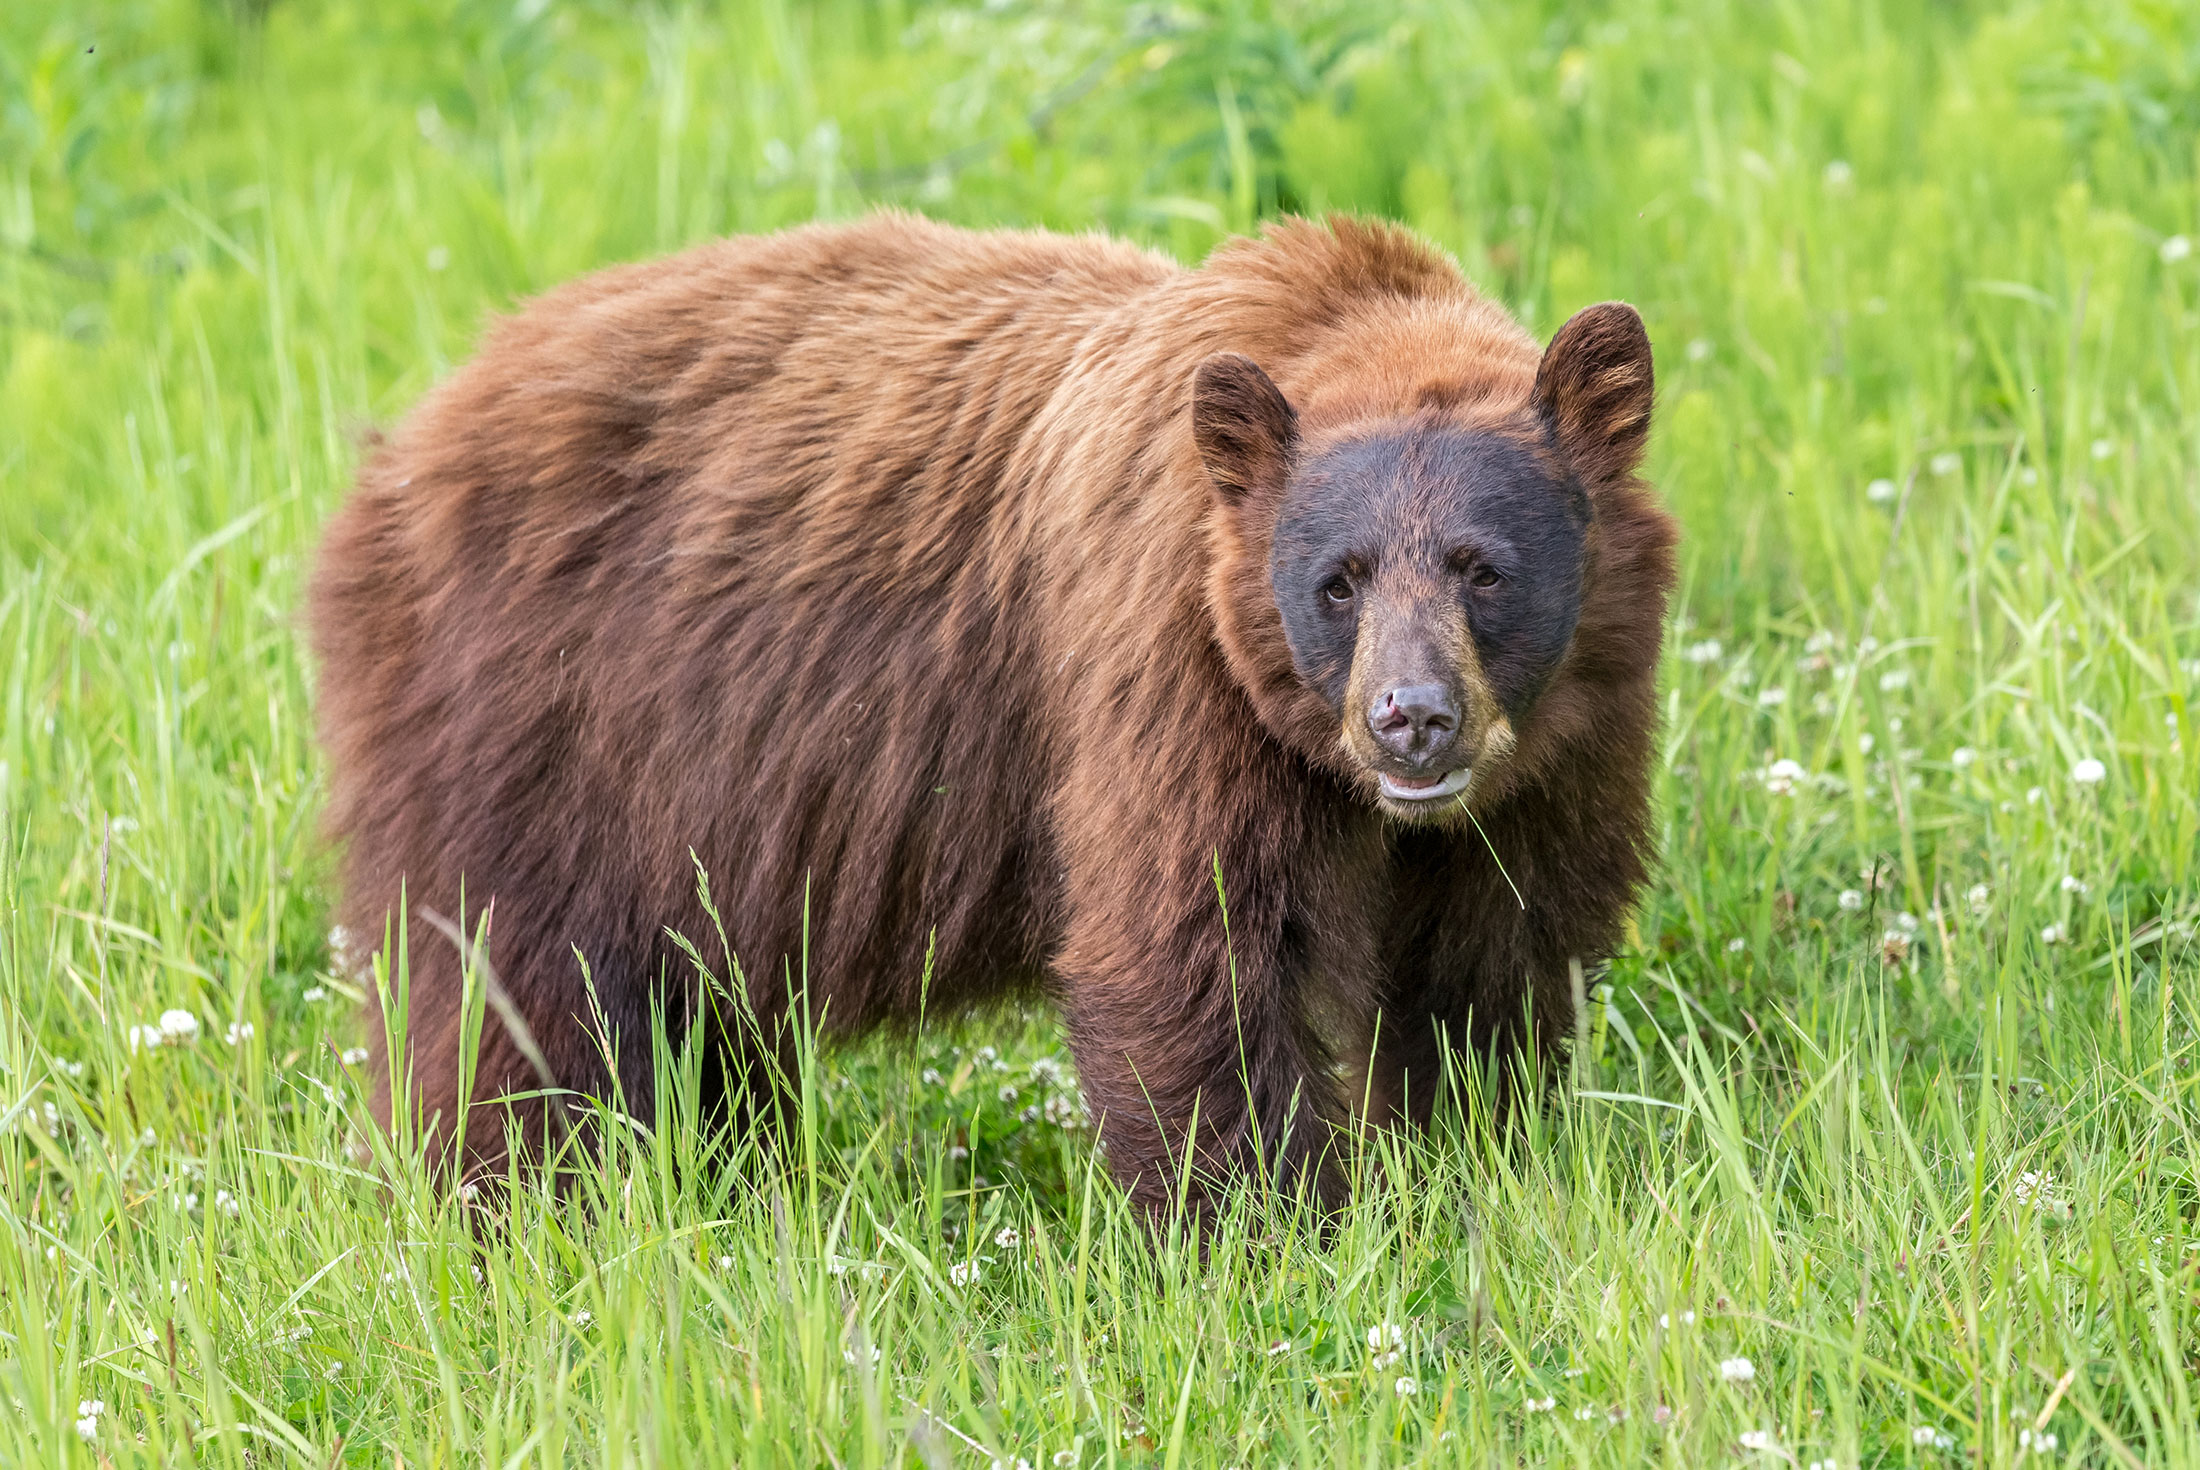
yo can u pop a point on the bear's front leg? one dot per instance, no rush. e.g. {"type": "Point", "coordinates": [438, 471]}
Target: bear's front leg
{"type": "Point", "coordinates": [1204, 942]}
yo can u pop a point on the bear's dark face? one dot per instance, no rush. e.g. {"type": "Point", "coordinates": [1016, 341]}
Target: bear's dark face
{"type": "Point", "coordinates": [1428, 581]}
{"type": "Point", "coordinates": [1427, 576]}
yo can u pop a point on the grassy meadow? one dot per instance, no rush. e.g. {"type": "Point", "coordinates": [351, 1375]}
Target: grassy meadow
{"type": "Point", "coordinates": [1882, 1142]}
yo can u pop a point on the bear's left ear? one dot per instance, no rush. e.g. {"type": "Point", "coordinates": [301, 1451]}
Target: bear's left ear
{"type": "Point", "coordinates": [1594, 389]}
{"type": "Point", "coordinates": [1244, 426]}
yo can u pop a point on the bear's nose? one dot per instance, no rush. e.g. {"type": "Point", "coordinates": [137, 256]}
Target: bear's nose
{"type": "Point", "coordinates": [1414, 721]}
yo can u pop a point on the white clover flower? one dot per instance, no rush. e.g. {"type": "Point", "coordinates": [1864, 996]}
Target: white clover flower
{"type": "Point", "coordinates": [1066, 1457]}
{"type": "Point", "coordinates": [583, 1320]}
{"type": "Point", "coordinates": [2072, 883]}
{"type": "Point", "coordinates": [1007, 1238]}
{"type": "Point", "coordinates": [1384, 1335]}
{"type": "Point", "coordinates": [1894, 679]}
{"type": "Point", "coordinates": [2039, 1441]}
{"type": "Point", "coordinates": [2033, 795]}
{"type": "Point", "coordinates": [2174, 249]}
{"type": "Point", "coordinates": [1821, 641]}
{"type": "Point", "coordinates": [1963, 758]}
{"type": "Point", "coordinates": [932, 1077]}
{"type": "Point", "coordinates": [228, 1203]}
{"type": "Point", "coordinates": [1838, 174]}
{"type": "Point", "coordinates": [2054, 934]}
{"type": "Point", "coordinates": [239, 1033]}
{"type": "Point", "coordinates": [1980, 898]}
{"type": "Point", "coordinates": [1705, 652]}
{"type": "Point", "coordinates": [1699, 348]}
{"type": "Point", "coordinates": [1828, 1463]}
{"type": "Point", "coordinates": [178, 1028]}
{"type": "Point", "coordinates": [1851, 900]}
{"type": "Point", "coordinates": [1782, 775]}
{"type": "Point", "coordinates": [1756, 1439]}
{"type": "Point", "coordinates": [957, 1152]}
{"type": "Point", "coordinates": [313, 993]}
{"type": "Point", "coordinates": [2089, 772]}
{"type": "Point", "coordinates": [1585, 1413]}
{"type": "Point", "coordinates": [1930, 1435]}
{"type": "Point", "coordinates": [1771, 698]}
{"type": "Point", "coordinates": [1384, 1360]}
{"type": "Point", "coordinates": [353, 1056]}
{"type": "Point", "coordinates": [1279, 1347]}
{"type": "Point", "coordinates": [848, 1356]}
{"type": "Point", "coordinates": [1946, 463]}
{"type": "Point", "coordinates": [1407, 1385]}
{"type": "Point", "coordinates": [1880, 491]}
{"type": "Point", "coordinates": [1865, 742]}
{"type": "Point", "coordinates": [339, 949]}
{"type": "Point", "coordinates": [963, 1273]}
{"type": "Point", "coordinates": [1007, 1094]}
{"type": "Point", "coordinates": [1737, 1370]}
{"type": "Point", "coordinates": [2103, 448]}
{"type": "Point", "coordinates": [1540, 1406]}
{"type": "Point", "coordinates": [1894, 946]}
{"type": "Point", "coordinates": [1667, 1319]}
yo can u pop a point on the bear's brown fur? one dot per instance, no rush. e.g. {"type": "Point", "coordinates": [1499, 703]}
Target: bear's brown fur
{"type": "Point", "coordinates": [924, 584]}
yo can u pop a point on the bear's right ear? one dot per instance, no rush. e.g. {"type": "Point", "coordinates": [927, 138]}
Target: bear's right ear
{"type": "Point", "coordinates": [1244, 427]}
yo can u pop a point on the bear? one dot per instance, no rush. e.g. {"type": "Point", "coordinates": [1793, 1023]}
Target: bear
{"type": "Point", "coordinates": [1257, 660]}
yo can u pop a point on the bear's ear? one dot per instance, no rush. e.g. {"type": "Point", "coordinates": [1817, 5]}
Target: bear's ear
{"type": "Point", "coordinates": [1594, 389]}
{"type": "Point", "coordinates": [1244, 427]}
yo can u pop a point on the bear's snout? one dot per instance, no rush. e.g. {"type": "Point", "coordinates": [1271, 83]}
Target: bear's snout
{"type": "Point", "coordinates": [1417, 723]}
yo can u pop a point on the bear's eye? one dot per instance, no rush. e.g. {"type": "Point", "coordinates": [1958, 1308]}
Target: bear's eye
{"type": "Point", "coordinates": [1485, 577]}
{"type": "Point", "coordinates": [1337, 590]}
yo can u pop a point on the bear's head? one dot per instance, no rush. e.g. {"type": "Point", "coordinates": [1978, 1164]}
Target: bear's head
{"type": "Point", "coordinates": [1427, 572]}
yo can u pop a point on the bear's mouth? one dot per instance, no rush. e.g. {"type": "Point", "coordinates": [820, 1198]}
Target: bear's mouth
{"type": "Point", "coordinates": [1435, 788]}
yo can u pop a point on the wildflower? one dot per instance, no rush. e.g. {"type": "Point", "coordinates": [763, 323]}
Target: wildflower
{"type": "Point", "coordinates": [2038, 1188]}
{"type": "Point", "coordinates": [583, 1320]}
{"type": "Point", "coordinates": [228, 1203]}
{"type": "Point", "coordinates": [932, 1077]}
{"type": "Point", "coordinates": [1407, 1385]}
{"type": "Point", "coordinates": [1756, 1439]}
{"type": "Point", "coordinates": [1737, 1370]}
{"type": "Point", "coordinates": [1279, 1347]}
{"type": "Point", "coordinates": [2103, 448]}
{"type": "Point", "coordinates": [1384, 1335]}
{"type": "Point", "coordinates": [353, 1056]}
{"type": "Point", "coordinates": [2174, 249]}
{"type": "Point", "coordinates": [1851, 900]}
{"type": "Point", "coordinates": [1828, 1463]}
{"type": "Point", "coordinates": [1821, 641]}
{"type": "Point", "coordinates": [1736, 945]}
{"type": "Point", "coordinates": [1540, 1406]}
{"type": "Point", "coordinates": [1894, 679]}
{"type": "Point", "coordinates": [1616, 1413]}
{"type": "Point", "coordinates": [313, 993]}
{"type": "Point", "coordinates": [239, 1033]}
{"type": "Point", "coordinates": [1880, 491]}
{"type": "Point", "coordinates": [2089, 772]}
{"type": "Point", "coordinates": [1706, 652]}
{"type": "Point", "coordinates": [1699, 348]}
{"type": "Point", "coordinates": [1007, 1238]}
{"type": "Point", "coordinates": [178, 1028]}
{"type": "Point", "coordinates": [339, 949]}
{"type": "Point", "coordinates": [1838, 174]}
{"type": "Point", "coordinates": [2072, 883]}
{"type": "Point", "coordinates": [1781, 776]}
{"type": "Point", "coordinates": [1007, 1094]}
{"type": "Point", "coordinates": [439, 257]}
{"type": "Point", "coordinates": [1667, 1319]}
{"type": "Point", "coordinates": [1865, 742]}
{"type": "Point", "coordinates": [2054, 934]}
{"type": "Point", "coordinates": [956, 1153]}
{"type": "Point", "coordinates": [1932, 1437]}
{"type": "Point", "coordinates": [1894, 947]}
{"type": "Point", "coordinates": [963, 1273]}
{"type": "Point", "coordinates": [1772, 697]}
{"type": "Point", "coordinates": [2033, 795]}
{"type": "Point", "coordinates": [87, 1417]}
{"type": "Point", "coordinates": [334, 1370]}
{"type": "Point", "coordinates": [848, 1356]}
{"type": "Point", "coordinates": [1947, 462]}
{"type": "Point", "coordinates": [1066, 1457]}
{"type": "Point", "coordinates": [1585, 1413]}
{"type": "Point", "coordinates": [1963, 757]}
{"type": "Point", "coordinates": [2038, 1441]}
{"type": "Point", "coordinates": [1980, 898]}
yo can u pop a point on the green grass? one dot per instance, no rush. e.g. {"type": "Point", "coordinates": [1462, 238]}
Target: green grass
{"type": "Point", "coordinates": [1943, 1181]}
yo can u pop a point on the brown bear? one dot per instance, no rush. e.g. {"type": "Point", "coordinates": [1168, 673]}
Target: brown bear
{"type": "Point", "coordinates": [990, 613]}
